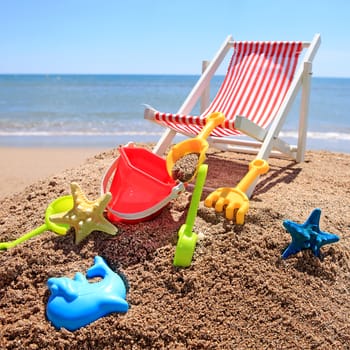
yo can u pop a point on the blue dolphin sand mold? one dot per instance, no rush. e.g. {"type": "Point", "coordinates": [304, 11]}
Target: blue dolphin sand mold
{"type": "Point", "coordinates": [76, 302]}
{"type": "Point", "coordinates": [307, 235]}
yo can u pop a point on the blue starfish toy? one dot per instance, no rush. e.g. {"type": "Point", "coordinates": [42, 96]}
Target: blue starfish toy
{"type": "Point", "coordinates": [307, 235]}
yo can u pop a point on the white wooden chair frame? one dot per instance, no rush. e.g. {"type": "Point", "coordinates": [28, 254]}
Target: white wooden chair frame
{"type": "Point", "coordinates": [267, 142]}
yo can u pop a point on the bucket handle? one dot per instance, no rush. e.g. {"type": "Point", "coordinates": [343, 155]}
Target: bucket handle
{"type": "Point", "coordinates": [107, 175]}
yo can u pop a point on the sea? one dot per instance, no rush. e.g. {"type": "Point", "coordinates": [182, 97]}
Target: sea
{"type": "Point", "coordinates": [106, 111]}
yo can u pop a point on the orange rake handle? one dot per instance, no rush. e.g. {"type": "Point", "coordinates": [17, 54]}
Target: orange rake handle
{"type": "Point", "coordinates": [256, 167]}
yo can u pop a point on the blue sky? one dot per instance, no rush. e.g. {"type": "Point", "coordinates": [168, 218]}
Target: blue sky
{"type": "Point", "coordinates": [161, 36]}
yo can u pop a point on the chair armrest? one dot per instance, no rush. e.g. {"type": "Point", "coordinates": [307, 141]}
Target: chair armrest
{"type": "Point", "coordinates": [249, 128]}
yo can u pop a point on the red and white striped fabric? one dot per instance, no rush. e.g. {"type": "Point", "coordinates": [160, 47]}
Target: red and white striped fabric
{"type": "Point", "coordinates": [257, 80]}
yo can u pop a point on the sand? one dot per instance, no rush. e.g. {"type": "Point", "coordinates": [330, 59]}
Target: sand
{"type": "Point", "coordinates": [237, 293]}
{"type": "Point", "coordinates": [23, 166]}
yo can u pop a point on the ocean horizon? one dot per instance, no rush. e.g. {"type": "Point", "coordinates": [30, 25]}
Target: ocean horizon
{"type": "Point", "coordinates": [106, 110]}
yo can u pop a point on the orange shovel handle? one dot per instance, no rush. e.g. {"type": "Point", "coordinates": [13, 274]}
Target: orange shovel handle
{"type": "Point", "coordinates": [211, 122]}
{"type": "Point", "coordinates": [197, 144]}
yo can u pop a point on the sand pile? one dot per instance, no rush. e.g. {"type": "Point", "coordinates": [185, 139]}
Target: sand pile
{"type": "Point", "coordinates": [237, 294]}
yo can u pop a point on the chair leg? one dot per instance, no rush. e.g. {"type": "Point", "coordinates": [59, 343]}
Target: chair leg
{"type": "Point", "coordinates": [164, 142]}
{"type": "Point", "coordinates": [304, 110]}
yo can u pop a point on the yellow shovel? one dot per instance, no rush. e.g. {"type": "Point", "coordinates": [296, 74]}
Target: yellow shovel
{"type": "Point", "coordinates": [197, 144]}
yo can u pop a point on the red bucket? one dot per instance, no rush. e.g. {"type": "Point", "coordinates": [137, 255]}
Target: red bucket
{"type": "Point", "coordinates": [140, 185]}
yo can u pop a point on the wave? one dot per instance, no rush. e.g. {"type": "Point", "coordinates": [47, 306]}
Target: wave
{"type": "Point", "coordinates": [78, 133]}
{"type": "Point", "coordinates": [341, 136]}
{"type": "Point", "coordinates": [288, 134]}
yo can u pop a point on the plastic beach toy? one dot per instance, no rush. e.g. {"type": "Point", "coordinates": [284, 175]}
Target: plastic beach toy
{"type": "Point", "coordinates": [197, 144]}
{"type": "Point", "coordinates": [86, 215]}
{"type": "Point", "coordinates": [188, 239]}
{"type": "Point", "coordinates": [76, 302]}
{"type": "Point", "coordinates": [231, 199]}
{"type": "Point", "coordinates": [140, 185]}
{"type": "Point", "coordinates": [59, 205]}
{"type": "Point", "coordinates": [307, 235]}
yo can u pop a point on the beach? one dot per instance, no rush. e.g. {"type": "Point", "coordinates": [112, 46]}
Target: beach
{"type": "Point", "coordinates": [22, 166]}
{"type": "Point", "coordinates": [237, 294]}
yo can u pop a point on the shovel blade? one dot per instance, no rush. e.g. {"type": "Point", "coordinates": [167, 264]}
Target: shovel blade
{"type": "Point", "coordinates": [197, 144]}
{"type": "Point", "coordinates": [184, 148]}
{"type": "Point", "coordinates": [185, 247]}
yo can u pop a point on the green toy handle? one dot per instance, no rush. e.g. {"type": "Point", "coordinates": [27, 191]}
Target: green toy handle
{"type": "Point", "coordinates": [196, 196]}
{"type": "Point", "coordinates": [31, 234]}
{"type": "Point", "coordinates": [59, 205]}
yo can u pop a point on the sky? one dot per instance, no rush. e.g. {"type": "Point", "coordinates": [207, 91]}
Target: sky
{"type": "Point", "coordinates": [161, 36]}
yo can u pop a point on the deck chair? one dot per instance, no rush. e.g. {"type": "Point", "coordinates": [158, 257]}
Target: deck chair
{"type": "Point", "coordinates": [258, 91]}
